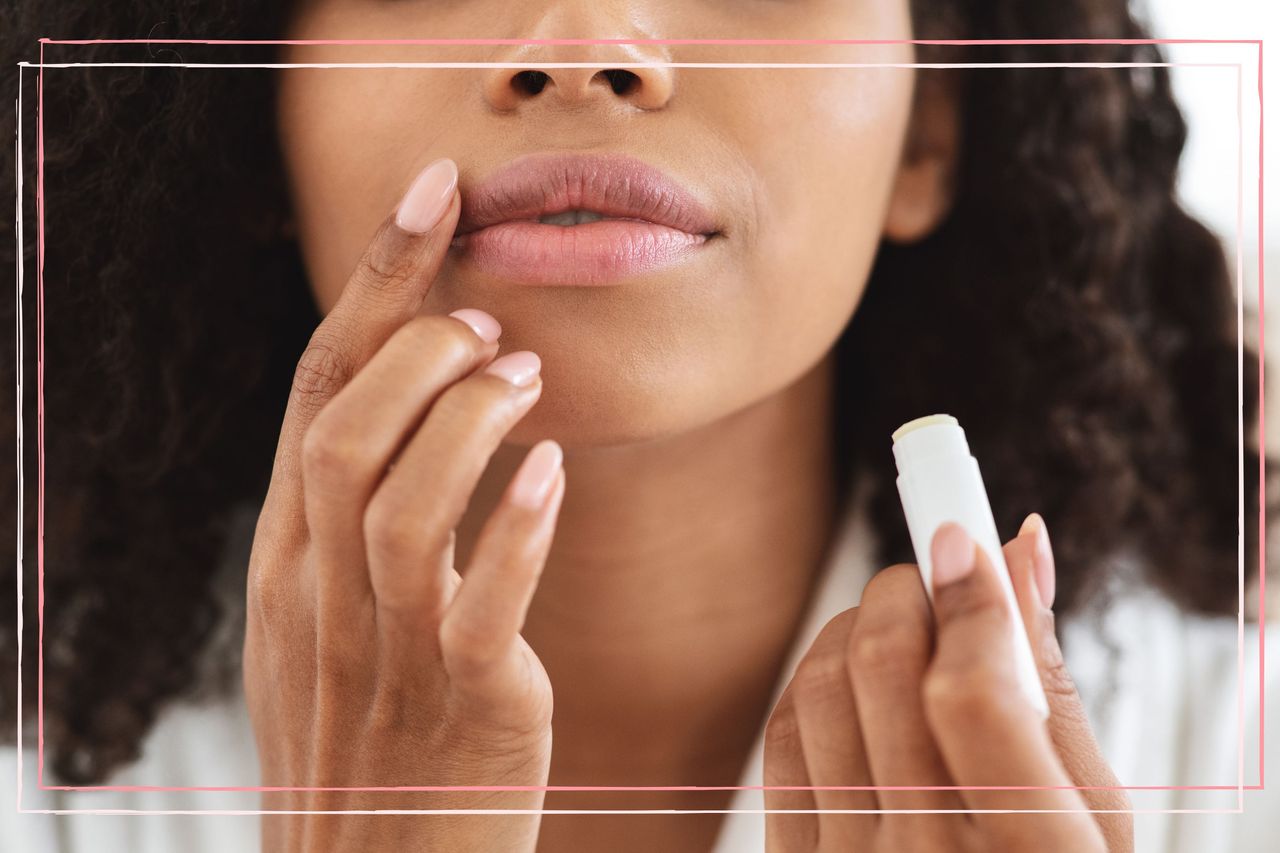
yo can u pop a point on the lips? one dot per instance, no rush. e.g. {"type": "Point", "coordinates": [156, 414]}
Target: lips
{"type": "Point", "coordinates": [632, 218]}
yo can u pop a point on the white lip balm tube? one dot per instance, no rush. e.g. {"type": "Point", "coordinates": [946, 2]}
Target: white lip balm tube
{"type": "Point", "coordinates": [939, 481]}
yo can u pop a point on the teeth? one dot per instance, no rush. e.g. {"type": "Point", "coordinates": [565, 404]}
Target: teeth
{"type": "Point", "coordinates": [572, 217]}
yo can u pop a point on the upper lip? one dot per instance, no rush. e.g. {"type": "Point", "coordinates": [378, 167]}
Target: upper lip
{"type": "Point", "coordinates": [610, 184]}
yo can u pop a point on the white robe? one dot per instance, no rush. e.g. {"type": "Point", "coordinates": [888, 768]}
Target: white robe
{"type": "Point", "coordinates": [1160, 685]}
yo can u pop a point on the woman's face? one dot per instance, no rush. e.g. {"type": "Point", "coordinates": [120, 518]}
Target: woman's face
{"type": "Point", "coordinates": [801, 171]}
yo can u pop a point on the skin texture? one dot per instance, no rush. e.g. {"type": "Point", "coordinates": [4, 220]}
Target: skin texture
{"type": "Point", "coordinates": [700, 503]}
{"type": "Point", "coordinates": [1099, 313]}
{"type": "Point", "coordinates": [734, 326]}
{"type": "Point", "coordinates": [726, 358]}
{"type": "Point", "coordinates": [366, 660]}
{"type": "Point", "coordinates": [892, 696]}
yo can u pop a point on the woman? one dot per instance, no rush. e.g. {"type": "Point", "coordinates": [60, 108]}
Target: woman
{"type": "Point", "coordinates": [673, 428]}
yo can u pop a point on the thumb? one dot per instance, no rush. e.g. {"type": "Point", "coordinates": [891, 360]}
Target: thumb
{"type": "Point", "coordinates": [976, 612]}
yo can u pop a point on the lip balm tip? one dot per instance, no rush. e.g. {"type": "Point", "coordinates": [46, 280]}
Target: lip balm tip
{"type": "Point", "coordinates": [918, 423]}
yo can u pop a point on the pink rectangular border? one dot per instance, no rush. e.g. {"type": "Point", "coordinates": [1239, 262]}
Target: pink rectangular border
{"type": "Point", "coordinates": [455, 42]}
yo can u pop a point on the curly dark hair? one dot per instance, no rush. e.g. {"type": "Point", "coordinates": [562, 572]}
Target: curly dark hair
{"type": "Point", "coordinates": [1096, 315]}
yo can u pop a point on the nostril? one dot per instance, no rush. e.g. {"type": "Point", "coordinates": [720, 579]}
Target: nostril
{"type": "Point", "coordinates": [530, 82]}
{"type": "Point", "coordinates": [621, 80]}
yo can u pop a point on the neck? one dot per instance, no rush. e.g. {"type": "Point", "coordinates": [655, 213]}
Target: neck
{"type": "Point", "coordinates": [679, 573]}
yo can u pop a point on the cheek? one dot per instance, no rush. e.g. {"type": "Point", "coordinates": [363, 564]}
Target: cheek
{"type": "Point", "coordinates": [825, 161]}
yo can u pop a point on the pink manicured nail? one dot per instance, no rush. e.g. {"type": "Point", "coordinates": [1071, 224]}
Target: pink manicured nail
{"type": "Point", "coordinates": [518, 368]}
{"type": "Point", "coordinates": [533, 481]}
{"type": "Point", "coordinates": [483, 324]}
{"type": "Point", "coordinates": [1045, 571]}
{"type": "Point", "coordinates": [428, 197]}
{"type": "Point", "coordinates": [954, 554]}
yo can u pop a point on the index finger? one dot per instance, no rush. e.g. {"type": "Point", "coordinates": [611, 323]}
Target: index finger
{"type": "Point", "coordinates": [385, 291]}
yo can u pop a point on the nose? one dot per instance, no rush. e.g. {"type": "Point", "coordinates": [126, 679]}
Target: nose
{"type": "Point", "coordinates": [598, 79]}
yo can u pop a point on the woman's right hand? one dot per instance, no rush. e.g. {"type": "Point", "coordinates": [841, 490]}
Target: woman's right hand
{"type": "Point", "coordinates": [368, 660]}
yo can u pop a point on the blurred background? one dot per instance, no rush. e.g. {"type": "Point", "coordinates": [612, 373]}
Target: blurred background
{"type": "Point", "coordinates": [1208, 183]}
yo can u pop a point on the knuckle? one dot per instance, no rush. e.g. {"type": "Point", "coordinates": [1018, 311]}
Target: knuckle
{"type": "Point", "coordinates": [384, 268]}
{"type": "Point", "coordinates": [1053, 667]}
{"type": "Point", "coordinates": [468, 651]}
{"type": "Point", "coordinates": [277, 537]}
{"type": "Point", "coordinates": [977, 692]}
{"type": "Point", "coordinates": [984, 615]}
{"type": "Point", "coordinates": [1057, 680]}
{"type": "Point", "coordinates": [472, 408]}
{"type": "Point", "coordinates": [964, 600]}
{"type": "Point", "coordinates": [262, 589]}
{"type": "Point", "coordinates": [329, 451]}
{"type": "Point", "coordinates": [271, 580]}
{"type": "Point", "coordinates": [835, 634]}
{"type": "Point", "coordinates": [394, 532]}
{"type": "Point", "coordinates": [946, 691]}
{"type": "Point", "coordinates": [890, 576]}
{"type": "Point", "coordinates": [321, 372]}
{"type": "Point", "coordinates": [819, 679]}
{"type": "Point", "coordinates": [878, 646]}
{"type": "Point", "coordinates": [450, 340]}
{"type": "Point", "coordinates": [782, 730]}
{"type": "Point", "coordinates": [276, 610]}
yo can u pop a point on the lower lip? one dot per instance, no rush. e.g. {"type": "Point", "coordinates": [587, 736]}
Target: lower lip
{"type": "Point", "coordinates": [591, 253]}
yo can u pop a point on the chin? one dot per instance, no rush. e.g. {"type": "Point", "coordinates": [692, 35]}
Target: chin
{"type": "Point", "coordinates": [584, 416]}
{"type": "Point", "coordinates": [584, 423]}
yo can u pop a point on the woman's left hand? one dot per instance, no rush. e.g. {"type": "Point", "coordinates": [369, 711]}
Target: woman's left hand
{"type": "Point", "coordinates": [896, 697]}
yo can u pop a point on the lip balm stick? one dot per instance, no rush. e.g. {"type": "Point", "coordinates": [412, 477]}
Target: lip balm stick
{"type": "Point", "coordinates": [939, 481]}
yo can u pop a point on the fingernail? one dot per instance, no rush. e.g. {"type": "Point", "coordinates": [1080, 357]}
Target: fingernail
{"type": "Point", "coordinates": [483, 324]}
{"type": "Point", "coordinates": [518, 368]}
{"type": "Point", "coordinates": [954, 554]}
{"type": "Point", "coordinates": [428, 197]}
{"type": "Point", "coordinates": [1045, 571]}
{"type": "Point", "coordinates": [533, 481]}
